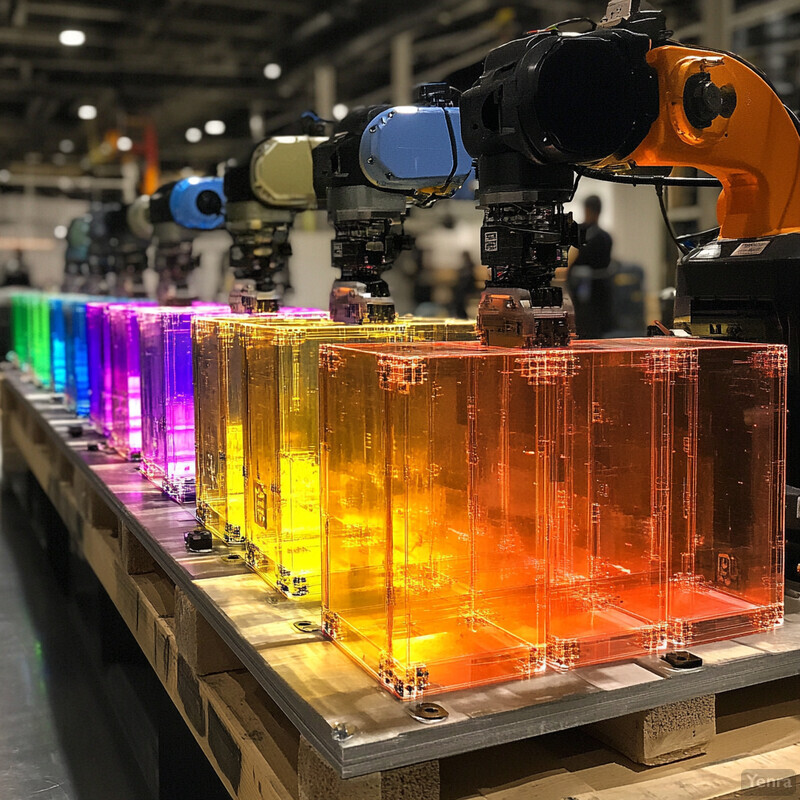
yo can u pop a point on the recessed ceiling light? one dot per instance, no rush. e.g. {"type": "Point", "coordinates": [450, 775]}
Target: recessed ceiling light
{"type": "Point", "coordinates": [66, 146]}
{"type": "Point", "coordinates": [215, 127]}
{"type": "Point", "coordinates": [194, 135]}
{"type": "Point", "coordinates": [72, 38]}
{"type": "Point", "coordinates": [124, 143]}
{"type": "Point", "coordinates": [60, 232]}
{"type": "Point", "coordinates": [87, 112]}
{"type": "Point", "coordinates": [272, 71]}
{"type": "Point", "coordinates": [340, 111]}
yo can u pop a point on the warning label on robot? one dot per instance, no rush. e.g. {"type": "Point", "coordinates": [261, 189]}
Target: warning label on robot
{"type": "Point", "coordinates": [490, 241]}
{"type": "Point", "coordinates": [751, 248]}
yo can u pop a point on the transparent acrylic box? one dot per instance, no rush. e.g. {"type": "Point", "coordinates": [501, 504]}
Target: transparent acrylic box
{"type": "Point", "coordinates": [218, 364]}
{"type": "Point", "coordinates": [168, 413]}
{"type": "Point", "coordinates": [458, 478]}
{"type": "Point", "coordinates": [58, 344]}
{"type": "Point", "coordinates": [126, 379]}
{"type": "Point", "coordinates": [282, 515]}
{"type": "Point", "coordinates": [76, 388]}
{"type": "Point", "coordinates": [98, 350]}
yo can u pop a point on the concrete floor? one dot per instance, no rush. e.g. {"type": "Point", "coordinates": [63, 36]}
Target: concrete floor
{"type": "Point", "coordinates": [57, 738]}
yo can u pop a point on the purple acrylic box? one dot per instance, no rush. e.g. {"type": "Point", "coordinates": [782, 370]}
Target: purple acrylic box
{"type": "Point", "coordinates": [167, 392]}
{"type": "Point", "coordinates": [126, 397]}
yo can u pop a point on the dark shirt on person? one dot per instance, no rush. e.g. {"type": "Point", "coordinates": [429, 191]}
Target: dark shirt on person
{"type": "Point", "coordinates": [592, 297]}
{"type": "Point", "coordinates": [595, 252]}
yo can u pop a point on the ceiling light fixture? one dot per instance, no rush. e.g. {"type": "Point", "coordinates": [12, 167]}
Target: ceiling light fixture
{"type": "Point", "coordinates": [340, 111]}
{"type": "Point", "coordinates": [87, 112]}
{"type": "Point", "coordinates": [72, 38]}
{"type": "Point", "coordinates": [215, 127]}
{"type": "Point", "coordinates": [124, 143]}
{"type": "Point", "coordinates": [194, 135]}
{"type": "Point", "coordinates": [272, 71]}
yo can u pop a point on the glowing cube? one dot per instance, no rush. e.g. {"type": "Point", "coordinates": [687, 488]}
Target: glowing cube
{"type": "Point", "coordinates": [168, 446]}
{"type": "Point", "coordinates": [98, 351]}
{"type": "Point", "coordinates": [439, 468]}
{"type": "Point", "coordinates": [126, 395]}
{"type": "Point", "coordinates": [491, 510]}
{"type": "Point", "coordinates": [726, 549]}
{"type": "Point", "coordinates": [282, 514]}
{"type": "Point", "coordinates": [20, 326]}
{"type": "Point", "coordinates": [76, 388]}
{"type": "Point", "coordinates": [218, 364]}
{"type": "Point", "coordinates": [58, 344]}
{"type": "Point", "coordinates": [39, 339]}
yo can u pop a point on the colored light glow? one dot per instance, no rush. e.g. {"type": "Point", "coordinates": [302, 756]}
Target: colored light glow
{"type": "Point", "coordinates": [489, 510]}
{"type": "Point", "coordinates": [282, 523]}
{"type": "Point", "coordinates": [98, 356]}
{"type": "Point", "coordinates": [77, 389]}
{"type": "Point", "coordinates": [39, 338]}
{"type": "Point", "coordinates": [101, 369]}
{"type": "Point", "coordinates": [126, 398]}
{"type": "Point", "coordinates": [168, 451]}
{"type": "Point", "coordinates": [58, 346]}
{"type": "Point", "coordinates": [217, 354]}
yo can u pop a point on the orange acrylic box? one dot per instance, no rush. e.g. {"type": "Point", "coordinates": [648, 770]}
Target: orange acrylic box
{"type": "Point", "coordinates": [726, 545]}
{"type": "Point", "coordinates": [488, 511]}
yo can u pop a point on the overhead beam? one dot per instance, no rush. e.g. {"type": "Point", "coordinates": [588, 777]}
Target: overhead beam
{"type": "Point", "coordinates": [107, 13]}
{"type": "Point", "coordinates": [760, 12]}
{"type": "Point", "coordinates": [287, 7]}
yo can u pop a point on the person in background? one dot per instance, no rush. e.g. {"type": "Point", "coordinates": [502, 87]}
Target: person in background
{"type": "Point", "coordinates": [16, 272]}
{"type": "Point", "coordinates": [465, 288]}
{"type": "Point", "coordinates": [587, 277]}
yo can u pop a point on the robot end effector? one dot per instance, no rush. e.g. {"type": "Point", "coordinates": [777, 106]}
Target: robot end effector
{"type": "Point", "coordinates": [543, 105]}
{"type": "Point", "coordinates": [263, 196]}
{"type": "Point", "coordinates": [622, 96]}
{"type": "Point", "coordinates": [178, 212]}
{"type": "Point", "coordinates": [380, 160]}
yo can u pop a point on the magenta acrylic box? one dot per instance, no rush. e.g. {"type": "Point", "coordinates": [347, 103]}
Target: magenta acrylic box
{"type": "Point", "coordinates": [167, 392]}
{"type": "Point", "coordinates": [98, 346]}
{"type": "Point", "coordinates": [126, 399]}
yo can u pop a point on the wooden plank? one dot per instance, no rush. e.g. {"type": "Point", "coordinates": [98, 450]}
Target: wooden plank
{"type": "Point", "coordinates": [776, 769]}
{"type": "Point", "coordinates": [198, 642]}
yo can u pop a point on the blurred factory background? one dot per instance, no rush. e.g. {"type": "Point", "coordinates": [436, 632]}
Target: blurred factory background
{"type": "Point", "coordinates": [101, 100]}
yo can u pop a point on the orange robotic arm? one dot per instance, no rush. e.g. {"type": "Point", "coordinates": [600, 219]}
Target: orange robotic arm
{"type": "Point", "coordinates": [752, 148]}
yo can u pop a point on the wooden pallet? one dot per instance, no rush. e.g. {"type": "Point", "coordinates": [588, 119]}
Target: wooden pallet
{"type": "Point", "coordinates": [256, 750]}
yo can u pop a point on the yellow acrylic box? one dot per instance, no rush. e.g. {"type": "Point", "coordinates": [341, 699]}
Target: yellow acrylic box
{"type": "Point", "coordinates": [217, 356]}
{"type": "Point", "coordinates": [281, 442]}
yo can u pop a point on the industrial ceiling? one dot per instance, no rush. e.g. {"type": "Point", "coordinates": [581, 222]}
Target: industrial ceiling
{"type": "Point", "coordinates": [176, 64]}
